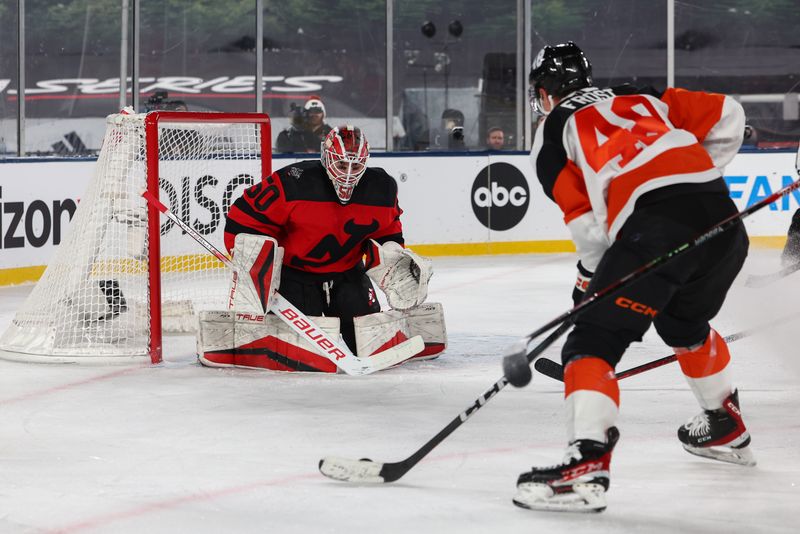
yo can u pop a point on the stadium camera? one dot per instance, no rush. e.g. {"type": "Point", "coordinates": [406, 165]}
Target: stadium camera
{"type": "Point", "coordinates": [160, 101]}
{"type": "Point", "coordinates": [428, 29]}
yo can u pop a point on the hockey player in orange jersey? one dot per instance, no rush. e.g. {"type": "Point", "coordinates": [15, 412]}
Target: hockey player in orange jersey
{"type": "Point", "coordinates": [636, 173]}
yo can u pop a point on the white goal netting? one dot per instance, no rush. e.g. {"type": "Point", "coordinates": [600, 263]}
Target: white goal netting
{"type": "Point", "coordinates": [94, 301]}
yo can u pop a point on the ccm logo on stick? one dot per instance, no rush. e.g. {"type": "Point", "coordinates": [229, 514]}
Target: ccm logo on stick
{"type": "Point", "coordinates": [637, 307]}
{"type": "Point", "coordinates": [313, 334]}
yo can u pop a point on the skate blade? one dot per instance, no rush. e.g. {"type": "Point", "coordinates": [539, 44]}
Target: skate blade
{"type": "Point", "coordinates": [743, 456]}
{"type": "Point", "coordinates": [584, 498]}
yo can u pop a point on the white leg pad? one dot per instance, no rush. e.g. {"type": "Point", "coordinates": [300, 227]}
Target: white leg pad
{"type": "Point", "coordinates": [258, 260]}
{"type": "Point", "coordinates": [377, 332]}
{"type": "Point", "coordinates": [427, 320]}
{"type": "Point", "coordinates": [257, 341]}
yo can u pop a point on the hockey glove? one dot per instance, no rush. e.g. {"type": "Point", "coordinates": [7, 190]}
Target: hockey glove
{"type": "Point", "coordinates": [401, 274]}
{"type": "Point", "coordinates": [581, 284]}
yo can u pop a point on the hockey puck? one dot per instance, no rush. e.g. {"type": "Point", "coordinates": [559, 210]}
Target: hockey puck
{"type": "Point", "coordinates": [517, 370]}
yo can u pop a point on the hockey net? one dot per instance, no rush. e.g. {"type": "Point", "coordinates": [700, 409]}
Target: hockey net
{"type": "Point", "coordinates": [122, 275]}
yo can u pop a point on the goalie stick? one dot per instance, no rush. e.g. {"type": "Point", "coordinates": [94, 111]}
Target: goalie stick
{"type": "Point", "coordinates": [555, 370]}
{"type": "Point", "coordinates": [761, 280]}
{"type": "Point", "coordinates": [329, 348]}
{"type": "Point", "coordinates": [371, 472]}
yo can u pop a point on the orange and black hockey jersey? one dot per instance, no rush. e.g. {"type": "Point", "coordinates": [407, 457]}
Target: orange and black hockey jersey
{"type": "Point", "coordinates": [297, 206]}
{"type": "Point", "coordinates": [600, 150]}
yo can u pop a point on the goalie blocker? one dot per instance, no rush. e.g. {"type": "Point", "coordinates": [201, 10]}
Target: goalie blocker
{"type": "Point", "coordinates": [245, 336]}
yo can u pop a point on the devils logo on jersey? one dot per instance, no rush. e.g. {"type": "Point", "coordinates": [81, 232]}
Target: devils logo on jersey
{"type": "Point", "coordinates": [329, 251]}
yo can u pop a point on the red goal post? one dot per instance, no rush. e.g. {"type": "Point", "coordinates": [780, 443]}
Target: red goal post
{"type": "Point", "coordinates": [152, 122]}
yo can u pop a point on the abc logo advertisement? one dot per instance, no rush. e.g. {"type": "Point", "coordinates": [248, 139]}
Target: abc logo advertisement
{"type": "Point", "coordinates": [500, 196]}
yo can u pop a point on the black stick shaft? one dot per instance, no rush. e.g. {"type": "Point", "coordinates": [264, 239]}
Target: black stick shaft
{"type": "Point", "coordinates": [393, 471]}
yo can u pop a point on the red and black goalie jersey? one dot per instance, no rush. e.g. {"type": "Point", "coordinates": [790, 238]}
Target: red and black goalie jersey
{"type": "Point", "coordinates": [297, 206]}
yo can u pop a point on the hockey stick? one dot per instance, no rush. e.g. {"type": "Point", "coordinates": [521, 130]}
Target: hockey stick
{"type": "Point", "coordinates": [555, 370]}
{"type": "Point", "coordinates": [761, 280]}
{"type": "Point", "coordinates": [369, 471]}
{"type": "Point", "coordinates": [516, 361]}
{"type": "Point", "coordinates": [372, 472]}
{"type": "Point", "coordinates": [327, 346]}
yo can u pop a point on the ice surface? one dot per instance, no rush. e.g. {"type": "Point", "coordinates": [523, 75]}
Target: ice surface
{"type": "Point", "coordinates": [181, 448]}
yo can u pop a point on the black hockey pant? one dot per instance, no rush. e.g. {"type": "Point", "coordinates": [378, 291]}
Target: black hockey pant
{"type": "Point", "coordinates": [343, 295]}
{"type": "Point", "coordinates": [679, 297]}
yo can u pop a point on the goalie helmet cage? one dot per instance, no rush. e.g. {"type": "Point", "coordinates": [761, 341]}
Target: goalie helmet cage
{"type": "Point", "coordinates": [122, 275]}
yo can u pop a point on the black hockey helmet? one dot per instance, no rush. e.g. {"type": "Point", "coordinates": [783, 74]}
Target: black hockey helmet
{"type": "Point", "coordinates": [559, 70]}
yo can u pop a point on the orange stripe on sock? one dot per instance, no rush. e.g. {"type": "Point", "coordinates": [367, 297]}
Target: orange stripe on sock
{"type": "Point", "coordinates": [708, 360]}
{"type": "Point", "coordinates": [593, 374]}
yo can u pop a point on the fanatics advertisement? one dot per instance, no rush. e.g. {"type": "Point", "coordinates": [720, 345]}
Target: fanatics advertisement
{"type": "Point", "coordinates": [447, 202]}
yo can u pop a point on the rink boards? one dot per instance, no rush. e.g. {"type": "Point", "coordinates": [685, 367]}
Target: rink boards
{"type": "Point", "coordinates": [453, 205]}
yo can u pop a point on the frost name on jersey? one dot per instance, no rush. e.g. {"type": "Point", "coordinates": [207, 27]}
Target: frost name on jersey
{"type": "Point", "coordinates": [586, 96]}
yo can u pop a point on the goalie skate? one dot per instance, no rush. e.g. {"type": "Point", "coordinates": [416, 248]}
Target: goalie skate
{"type": "Point", "coordinates": [579, 484]}
{"type": "Point", "coordinates": [719, 434]}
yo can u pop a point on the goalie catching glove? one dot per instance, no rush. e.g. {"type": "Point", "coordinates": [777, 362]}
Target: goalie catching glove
{"type": "Point", "coordinates": [400, 273]}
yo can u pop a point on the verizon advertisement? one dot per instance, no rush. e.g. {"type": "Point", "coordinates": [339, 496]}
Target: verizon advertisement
{"type": "Point", "coordinates": [470, 199]}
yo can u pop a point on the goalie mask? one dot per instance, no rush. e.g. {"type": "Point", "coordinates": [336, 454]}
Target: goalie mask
{"type": "Point", "coordinates": [559, 70]}
{"type": "Point", "coordinates": [344, 155]}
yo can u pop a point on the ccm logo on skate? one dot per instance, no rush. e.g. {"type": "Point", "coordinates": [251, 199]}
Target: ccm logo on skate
{"type": "Point", "coordinates": [581, 470]}
{"type": "Point", "coordinates": [313, 335]}
{"type": "Point", "coordinates": [500, 196]}
{"type": "Point", "coordinates": [637, 307]}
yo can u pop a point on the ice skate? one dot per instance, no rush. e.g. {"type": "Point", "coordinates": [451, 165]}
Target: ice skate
{"type": "Point", "coordinates": [719, 434]}
{"type": "Point", "coordinates": [579, 484]}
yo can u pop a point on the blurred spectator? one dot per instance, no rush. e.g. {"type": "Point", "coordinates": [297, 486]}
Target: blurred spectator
{"type": "Point", "coordinates": [179, 105]}
{"type": "Point", "coordinates": [415, 124]}
{"type": "Point", "coordinates": [307, 128]}
{"type": "Point", "coordinates": [315, 117]}
{"type": "Point", "coordinates": [495, 138]}
{"type": "Point", "coordinates": [174, 143]}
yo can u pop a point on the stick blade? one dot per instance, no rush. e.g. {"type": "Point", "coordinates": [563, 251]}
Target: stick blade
{"type": "Point", "coordinates": [357, 471]}
{"type": "Point", "coordinates": [550, 368]}
{"type": "Point", "coordinates": [385, 359]}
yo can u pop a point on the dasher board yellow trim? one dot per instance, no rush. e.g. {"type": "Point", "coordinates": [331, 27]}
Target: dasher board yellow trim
{"type": "Point", "coordinates": [21, 275]}
{"type": "Point", "coordinates": [768, 241]}
{"type": "Point", "coordinates": [542, 247]}
{"type": "Point", "coordinates": [169, 264]}
{"type": "Point", "coordinates": [507, 247]}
